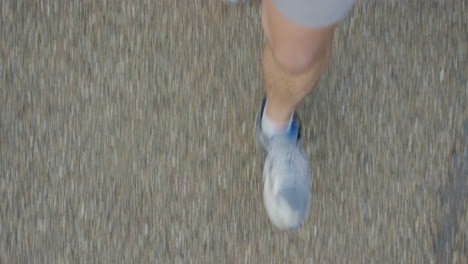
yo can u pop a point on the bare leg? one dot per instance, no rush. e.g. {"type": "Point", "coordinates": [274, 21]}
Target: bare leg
{"type": "Point", "coordinates": [294, 57]}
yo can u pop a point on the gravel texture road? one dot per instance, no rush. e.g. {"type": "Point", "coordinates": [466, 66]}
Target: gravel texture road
{"type": "Point", "coordinates": [126, 135]}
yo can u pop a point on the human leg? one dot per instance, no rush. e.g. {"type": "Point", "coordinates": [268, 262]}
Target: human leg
{"type": "Point", "coordinates": [294, 56]}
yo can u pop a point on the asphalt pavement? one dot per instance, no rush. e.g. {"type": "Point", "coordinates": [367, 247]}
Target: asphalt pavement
{"type": "Point", "coordinates": [126, 135]}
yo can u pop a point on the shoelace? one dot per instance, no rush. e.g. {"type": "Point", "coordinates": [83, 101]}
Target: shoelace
{"type": "Point", "coordinates": [286, 162]}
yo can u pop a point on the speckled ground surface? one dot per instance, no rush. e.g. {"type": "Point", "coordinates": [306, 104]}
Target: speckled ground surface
{"type": "Point", "coordinates": [126, 135]}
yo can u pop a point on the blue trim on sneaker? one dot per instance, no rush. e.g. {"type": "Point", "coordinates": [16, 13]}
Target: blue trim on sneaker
{"type": "Point", "coordinates": [294, 132]}
{"type": "Point", "coordinates": [260, 138]}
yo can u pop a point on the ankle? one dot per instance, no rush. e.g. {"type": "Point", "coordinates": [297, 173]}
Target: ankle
{"type": "Point", "coordinates": [272, 127]}
{"type": "Point", "coordinates": [278, 115]}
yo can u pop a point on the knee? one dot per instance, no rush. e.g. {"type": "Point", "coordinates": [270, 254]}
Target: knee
{"type": "Point", "coordinates": [300, 59]}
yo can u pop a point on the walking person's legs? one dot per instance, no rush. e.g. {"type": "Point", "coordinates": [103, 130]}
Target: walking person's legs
{"type": "Point", "coordinates": [294, 56]}
{"type": "Point", "coordinates": [299, 40]}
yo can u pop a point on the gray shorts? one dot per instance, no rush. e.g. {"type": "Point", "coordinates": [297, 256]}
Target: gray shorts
{"type": "Point", "coordinates": [314, 13]}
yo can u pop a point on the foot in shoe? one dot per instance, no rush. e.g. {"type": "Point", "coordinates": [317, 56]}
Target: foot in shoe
{"type": "Point", "coordinates": [286, 176]}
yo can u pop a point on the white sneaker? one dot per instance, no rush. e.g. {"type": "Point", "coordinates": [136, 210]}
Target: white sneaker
{"type": "Point", "coordinates": [286, 176]}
